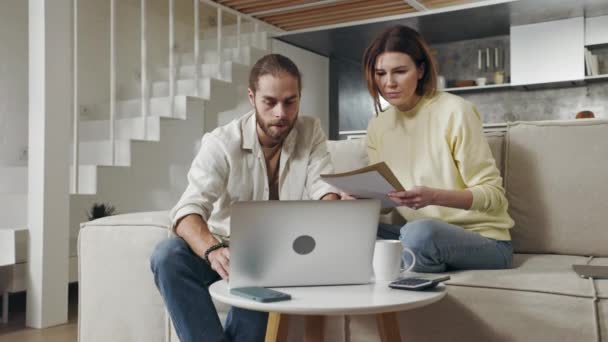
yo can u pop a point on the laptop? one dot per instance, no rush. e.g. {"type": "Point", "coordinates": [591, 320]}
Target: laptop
{"type": "Point", "coordinates": [302, 243]}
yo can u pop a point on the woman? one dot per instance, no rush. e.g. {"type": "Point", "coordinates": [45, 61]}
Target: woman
{"type": "Point", "coordinates": [454, 201]}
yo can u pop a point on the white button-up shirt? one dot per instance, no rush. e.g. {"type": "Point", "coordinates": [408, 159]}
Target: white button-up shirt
{"type": "Point", "coordinates": [230, 167]}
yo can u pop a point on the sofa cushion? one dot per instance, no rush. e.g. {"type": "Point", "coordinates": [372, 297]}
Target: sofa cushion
{"type": "Point", "coordinates": [149, 218]}
{"type": "Point", "coordinates": [496, 140]}
{"type": "Point", "coordinates": [531, 272]}
{"type": "Point", "coordinates": [557, 180]}
{"type": "Point", "coordinates": [603, 317]}
{"type": "Point", "coordinates": [480, 314]}
{"type": "Point", "coordinates": [347, 155]}
{"type": "Point", "coordinates": [601, 284]}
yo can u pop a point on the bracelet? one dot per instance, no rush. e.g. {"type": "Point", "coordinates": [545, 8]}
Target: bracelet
{"type": "Point", "coordinates": [211, 249]}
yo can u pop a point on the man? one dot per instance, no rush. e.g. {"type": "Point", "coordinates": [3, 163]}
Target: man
{"type": "Point", "coordinates": [268, 154]}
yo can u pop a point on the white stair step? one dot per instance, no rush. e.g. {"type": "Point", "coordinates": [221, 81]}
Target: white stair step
{"type": "Point", "coordinates": [241, 56]}
{"type": "Point", "coordinates": [13, 180]}
{"type": "Point", "coordinates": [258, 40]}
{"type": "Point", "coordinates": [100, 153]}
{"type": "Point", "coordinates": [12, 245]}
{"type": "Point", "coordinates": [158, 106]}
{"type": "Point", "coordinates": [206, 70]}
{"type": "Point", "coordinates": [124, 129]}
{"type": "Point", "coordinates": [14, 210]}
{"type": "Point", "coordinates": [87, 180]}
{"type": "Point", "coordinates": [230, 30]}
{"type": "Point", "coordinates": [183, 87]}
{"type": "Point", "coordinates": [160, 88]}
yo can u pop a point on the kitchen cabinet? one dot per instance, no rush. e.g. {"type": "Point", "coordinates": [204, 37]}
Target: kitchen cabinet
{"type": "Point", "coordinates": [596, 30]}
{"type": "Point", "coordinates": [548, 52]}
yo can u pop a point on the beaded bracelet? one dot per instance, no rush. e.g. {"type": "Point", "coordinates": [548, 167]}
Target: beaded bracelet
{"type": "Point", "coordinates": [211, 249]}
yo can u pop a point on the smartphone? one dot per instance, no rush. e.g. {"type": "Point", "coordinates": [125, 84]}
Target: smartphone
{"type": "Point", "coordinates": [260, 294]}
{"type": "Point", "coordinates": [417, 283]}
{"type": "Point", "coordinates": [591, 271]}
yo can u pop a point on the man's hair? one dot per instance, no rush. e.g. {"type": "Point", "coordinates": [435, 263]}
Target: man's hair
{"type": "Point", "coordinates": [402, 39]}
{"type": "Point", "coordinates": [273, 64]}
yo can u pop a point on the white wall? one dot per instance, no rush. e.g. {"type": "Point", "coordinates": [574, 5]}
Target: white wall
{"type": "Point", "coordinates": [315, 80]}
{"type": "Point", "coordinates": [13, 82]}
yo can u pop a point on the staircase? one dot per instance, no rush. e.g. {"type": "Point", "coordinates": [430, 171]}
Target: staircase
{"type": "Point", "coordinates": [149, 166]}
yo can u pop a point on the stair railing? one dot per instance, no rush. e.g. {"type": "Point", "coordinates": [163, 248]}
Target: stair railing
{"type": "Point", "coordinates": [144, 70]}
{"type": "Point", "coordinates": [113, 80]}
{"type": "Point", "coordinates": [75, 109]}
{"type": "Point", "coordinates": [197, 47]}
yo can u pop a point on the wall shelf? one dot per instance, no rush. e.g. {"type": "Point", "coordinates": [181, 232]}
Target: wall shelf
{"type": "Point", "coordinates": [596, 78]}
{"type": "Point", "coordinates": [531, 86]}
{"type": "Point", "coordinates": [476, 88]}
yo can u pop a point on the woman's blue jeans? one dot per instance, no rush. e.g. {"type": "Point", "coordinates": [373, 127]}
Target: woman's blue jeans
{"type": "Point", "coordinates": [441, 247]}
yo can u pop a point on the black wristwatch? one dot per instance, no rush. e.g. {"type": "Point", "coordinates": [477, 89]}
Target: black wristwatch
{"type": "Point", "coordinates": [211, 249]}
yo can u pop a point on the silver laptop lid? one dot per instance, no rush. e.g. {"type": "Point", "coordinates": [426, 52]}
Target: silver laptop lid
{"type": "Point", "coordinates": [299, 243]}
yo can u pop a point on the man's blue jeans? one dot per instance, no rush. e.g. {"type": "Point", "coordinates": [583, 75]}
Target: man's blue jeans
{"type": "Point", "coordinates": [183, 278]}
{"type": "Point", "coordinates": [441, 247]}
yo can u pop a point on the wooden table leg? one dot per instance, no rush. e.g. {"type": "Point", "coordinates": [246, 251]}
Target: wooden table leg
{"type": "Point", "coordinates": [388, 327]}
{"type": "Point", "coordinates": [315, 328]}
{"type": "Point", "coordinates": [277, 327]}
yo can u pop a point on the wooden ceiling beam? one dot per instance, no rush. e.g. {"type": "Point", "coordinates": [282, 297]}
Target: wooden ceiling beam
{"type": "Point", "coordinates": [353, 4]}
{"type": "Point", "coordinates": [443, 3]}
{"type": "Point", "coordinates": [286, 7]}
{"type": "Point", "coordinates": [300, 14]}
{"type": "Point", "coordinates": [295, 7]}
{"type": "Point", "coordinates": [362, 16]}
{"type": "Point", "coordinates": [257, 7]}
{"type": "Point", "coordinates": [341, 13]}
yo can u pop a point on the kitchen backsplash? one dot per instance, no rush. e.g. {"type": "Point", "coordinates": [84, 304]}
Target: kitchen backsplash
{"type": "Point", "coordinates": [545, 104]}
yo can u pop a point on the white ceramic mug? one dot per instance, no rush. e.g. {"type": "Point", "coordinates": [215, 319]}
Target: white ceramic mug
{"type": "Point", "coordinates": [481, 81]}
{"type": "Point", "coordinates": [440, 82]}
{"type": "Point", "coordinates": [387, 260]}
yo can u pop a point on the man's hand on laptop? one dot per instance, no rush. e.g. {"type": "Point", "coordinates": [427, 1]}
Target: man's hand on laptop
{"type": "Point", "coordinates": [220, 261]}
{"type": "Point", "coordinates": [330, 196]}
{"type": "Point", "coordinates": [346, 196]}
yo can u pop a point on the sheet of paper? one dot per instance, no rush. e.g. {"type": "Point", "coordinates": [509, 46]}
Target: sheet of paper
{"type": "Point", "coordinates": [365, 185]}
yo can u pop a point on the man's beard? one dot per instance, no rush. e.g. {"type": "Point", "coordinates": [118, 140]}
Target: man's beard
{"type": "Point", "coordinates": [278, 137]}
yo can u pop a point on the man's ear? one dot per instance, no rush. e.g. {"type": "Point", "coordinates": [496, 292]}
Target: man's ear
{"type": "Point", "coordinates": [251, 95]}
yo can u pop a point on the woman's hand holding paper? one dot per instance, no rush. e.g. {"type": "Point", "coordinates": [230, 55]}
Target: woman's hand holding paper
{"type": "Point", "coordinates": [415, 198]}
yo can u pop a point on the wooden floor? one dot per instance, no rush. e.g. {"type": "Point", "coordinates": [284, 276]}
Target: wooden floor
{"type": "Point", "coordinates": [16, 331]}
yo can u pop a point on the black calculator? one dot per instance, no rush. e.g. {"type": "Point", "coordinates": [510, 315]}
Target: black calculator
{"type": "Point", "coordinates": [417, 283]}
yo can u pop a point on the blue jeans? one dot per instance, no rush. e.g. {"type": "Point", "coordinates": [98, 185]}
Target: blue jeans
{"type": "Point", "coordinates": [183, 278]}
{"type": "Point", "coordinates": [441, 247]}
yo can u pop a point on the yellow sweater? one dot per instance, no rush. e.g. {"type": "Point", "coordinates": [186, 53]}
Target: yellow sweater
{"type": "Point", "coordinates": [440, 144]}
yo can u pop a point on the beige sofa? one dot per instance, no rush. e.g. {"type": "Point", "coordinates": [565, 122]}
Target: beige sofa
{"type": "Point", "coordinates": [556, 178]}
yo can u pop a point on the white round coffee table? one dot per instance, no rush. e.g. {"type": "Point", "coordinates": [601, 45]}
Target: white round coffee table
{"type": "Point", "coordinates": [317, 301]}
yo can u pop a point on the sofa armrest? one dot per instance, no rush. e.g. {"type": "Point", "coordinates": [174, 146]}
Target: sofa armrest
{"type": "Point", "coordinates": [117, 297]}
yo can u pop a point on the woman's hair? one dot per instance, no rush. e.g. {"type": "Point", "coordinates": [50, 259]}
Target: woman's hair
{"type": "Point", "coordinates": [273, 64]}
{"type": "Point", "coordinates": [402, 39]}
